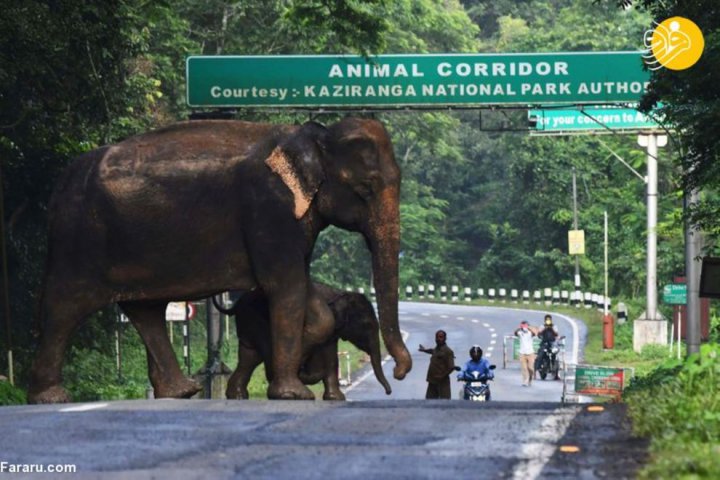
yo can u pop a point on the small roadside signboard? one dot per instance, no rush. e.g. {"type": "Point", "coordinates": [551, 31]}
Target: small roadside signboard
{"type": "Point", "coordinates": [176, 311]}
{"type": "Point", "coordinates": [675, 294]}
{"type": "Point", "coordinates": [576, 242]}
{"type": "Point", "coordinates": [600, 381]}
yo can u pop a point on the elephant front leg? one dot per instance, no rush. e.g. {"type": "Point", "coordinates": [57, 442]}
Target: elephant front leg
{"type": "Point", "coordinates": [287, 314]}
{"type": "Point", "coordinates": [165, 375]}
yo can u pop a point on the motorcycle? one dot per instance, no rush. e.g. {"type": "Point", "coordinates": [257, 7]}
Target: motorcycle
{"type": "Point", "coordinates": [550, 358]}
{"type": "Point", "coordinates": [476, 388]}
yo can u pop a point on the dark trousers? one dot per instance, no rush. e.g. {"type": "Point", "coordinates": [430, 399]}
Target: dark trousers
{"type": "Point", "coordinates": [438, 390]}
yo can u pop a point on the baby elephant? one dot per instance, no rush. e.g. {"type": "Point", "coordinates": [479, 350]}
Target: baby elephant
{"type": "Point", "coordinates": [355, 321]}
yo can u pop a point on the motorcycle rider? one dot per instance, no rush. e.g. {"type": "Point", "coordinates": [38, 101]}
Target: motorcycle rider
{"type": "Point", "coordinates": [547, 336]}
{"type": "Point", "coordinates": [476, 364]}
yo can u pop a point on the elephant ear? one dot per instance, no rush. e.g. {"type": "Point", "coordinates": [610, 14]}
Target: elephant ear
{"type": "Point", "coordinates": [296, 160]}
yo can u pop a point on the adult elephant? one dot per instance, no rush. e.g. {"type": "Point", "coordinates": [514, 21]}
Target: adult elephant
{"type": "Point", "coordinates": [354, 320]}
{"type": "Point", "coordinates": [201, 207]}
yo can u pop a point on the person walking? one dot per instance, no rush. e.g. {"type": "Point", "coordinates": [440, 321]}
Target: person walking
{"type": "Point", "coordinates": [442, 364]}
{"type": "Point", "coordinates": [525, 334]}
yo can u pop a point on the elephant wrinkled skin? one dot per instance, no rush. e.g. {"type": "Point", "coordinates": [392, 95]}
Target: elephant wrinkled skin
{"type": "Point", "coordinates": [202, 207]}
{"type": "Point", "coordinates": [354, 321]}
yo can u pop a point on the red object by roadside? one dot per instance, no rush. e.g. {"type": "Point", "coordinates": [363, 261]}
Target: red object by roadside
{"type": "Point", "coordinates": [608, 332]}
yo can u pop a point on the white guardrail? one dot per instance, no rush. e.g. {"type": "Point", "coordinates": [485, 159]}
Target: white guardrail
{"type": "Point", "coordinates": [455, 293]}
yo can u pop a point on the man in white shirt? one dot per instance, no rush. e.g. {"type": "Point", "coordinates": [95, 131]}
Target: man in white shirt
{"type": "Point", "coordinates": [527, 352]}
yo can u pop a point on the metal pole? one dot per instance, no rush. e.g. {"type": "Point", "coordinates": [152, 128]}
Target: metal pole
{"type": "Point", "coordinates": [6, 285]}
{"type": "Point", "coordinates": [186, 340]}
{"type": "Point", "coordinates": [117, 350]}
{"type": "Point", "coordinates": [693, 241]}
{"type": "Point", "coordinates": [575, 227]}
{"type": "Point", "coordinates": [214, 337]}
{"type": "Point", "coordinates": [605, 301]}
{"type": "Point", "coordinates": [651, 284]}
{"type": "Point", "coordinates": [679, 334]}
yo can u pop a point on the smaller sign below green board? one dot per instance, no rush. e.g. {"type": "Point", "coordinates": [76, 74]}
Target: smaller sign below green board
{"type": "Point", "coordinates": [675, 294]}
{"type": "Point", "coordinates": [556, 121]}
{"type": "Point", "coordinates": [599, 381]}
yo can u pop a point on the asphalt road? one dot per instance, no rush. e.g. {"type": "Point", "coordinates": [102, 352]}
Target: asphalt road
{"type": "Point", "coordinates": [398, 437]}
{"type": "Point", "coordinates": [217, 439]}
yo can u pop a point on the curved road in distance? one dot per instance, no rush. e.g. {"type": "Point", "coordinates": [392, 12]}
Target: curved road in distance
{"type": "Point", "coordinates": [466, 326]}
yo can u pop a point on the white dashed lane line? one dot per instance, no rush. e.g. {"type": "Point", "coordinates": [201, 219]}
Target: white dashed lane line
{"type": "Point", "coordinates": [83, 408]}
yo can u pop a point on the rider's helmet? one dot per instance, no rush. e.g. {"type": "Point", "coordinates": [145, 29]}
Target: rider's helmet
{"type": "Point", "coordinates": [548, 321]}
{"type": "Point", "coordinates": [476, 351]}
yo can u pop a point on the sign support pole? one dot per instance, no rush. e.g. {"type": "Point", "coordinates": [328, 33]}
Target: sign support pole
{"type": "Point", "coordinates": [692, 269]}
{"type": "Point", "coordinates": [679, 334]}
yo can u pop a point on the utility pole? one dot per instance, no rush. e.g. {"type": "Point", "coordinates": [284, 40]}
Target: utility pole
{"type": "Point", "coordinates": [5, 284]}
{"type": "Point", "coordinates": [650, 327]}
{"type": "Point", "coordinates": [693, 245]}
{"type": "Point", "coordinates": [575, 227]}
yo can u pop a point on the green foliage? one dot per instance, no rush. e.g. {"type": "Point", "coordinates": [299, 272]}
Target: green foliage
{"type": "Point", "coordinates": [678, 406]}
{"type": "Point", "coordinates": [11, 395]}
{"type": "Point", "coordinates": [690, 396]}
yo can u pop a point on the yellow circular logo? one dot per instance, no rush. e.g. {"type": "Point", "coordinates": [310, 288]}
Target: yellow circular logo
{"type": "Point", "coordinates": [677, 43]}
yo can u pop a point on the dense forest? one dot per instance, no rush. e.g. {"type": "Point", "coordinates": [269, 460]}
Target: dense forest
{"type": "Point", "coordinates": [484, 204]}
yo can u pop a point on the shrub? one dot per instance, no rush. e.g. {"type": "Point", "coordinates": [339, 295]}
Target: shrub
{"type": "Point", "coordinates": [11, 395]}
{"type": "Point", "coordinates": [678, 406]}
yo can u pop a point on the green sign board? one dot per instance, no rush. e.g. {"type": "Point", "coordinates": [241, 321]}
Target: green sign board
{"type": "Point", "coordinates": [600, 381]}
{"type": "Point", "coordinates": [589, 119]}
{"type": "Point", "coordinates": [429, 80]}
{"type": "Point", "coordinates": [675, 294]}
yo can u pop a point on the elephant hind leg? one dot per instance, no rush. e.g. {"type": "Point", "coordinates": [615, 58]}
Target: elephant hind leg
{"type": "Point", "coordinates": [164, 371]}
{"type": "Point", "coordinates": [248, 360]}
{"type": "Point", "coordinates": [63, 310]}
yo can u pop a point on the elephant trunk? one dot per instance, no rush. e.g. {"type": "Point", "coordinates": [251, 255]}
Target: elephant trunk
{"type": "Point", "coordinates": [384, 242]}
{"type": "Point", "coordinates": [376, 362]}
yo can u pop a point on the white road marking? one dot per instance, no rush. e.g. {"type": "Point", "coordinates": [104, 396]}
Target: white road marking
{"type": "Point", "coordinates": [444, 316]}
{"type": "Point", "coordinates": [425, 314]}
{"type": "Point", "coordinates": [494, 335]}
{"type": "Point", "coordinates": [84, 408]}
{"type": "Point", "coordinates": [493, 342]}
{"type": "Point", "coordinates": [461, 318]}
{"type": "Point", "coordinates": [486, 325]}
{"type": "Point", "coordinates": [489, 355]}
{"type": "Point", "coordinates": [475, 321]}
{"type": "Point", "coordinates": [491, 329]}
{"type": "Point", "coordinates": [541, 443]}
